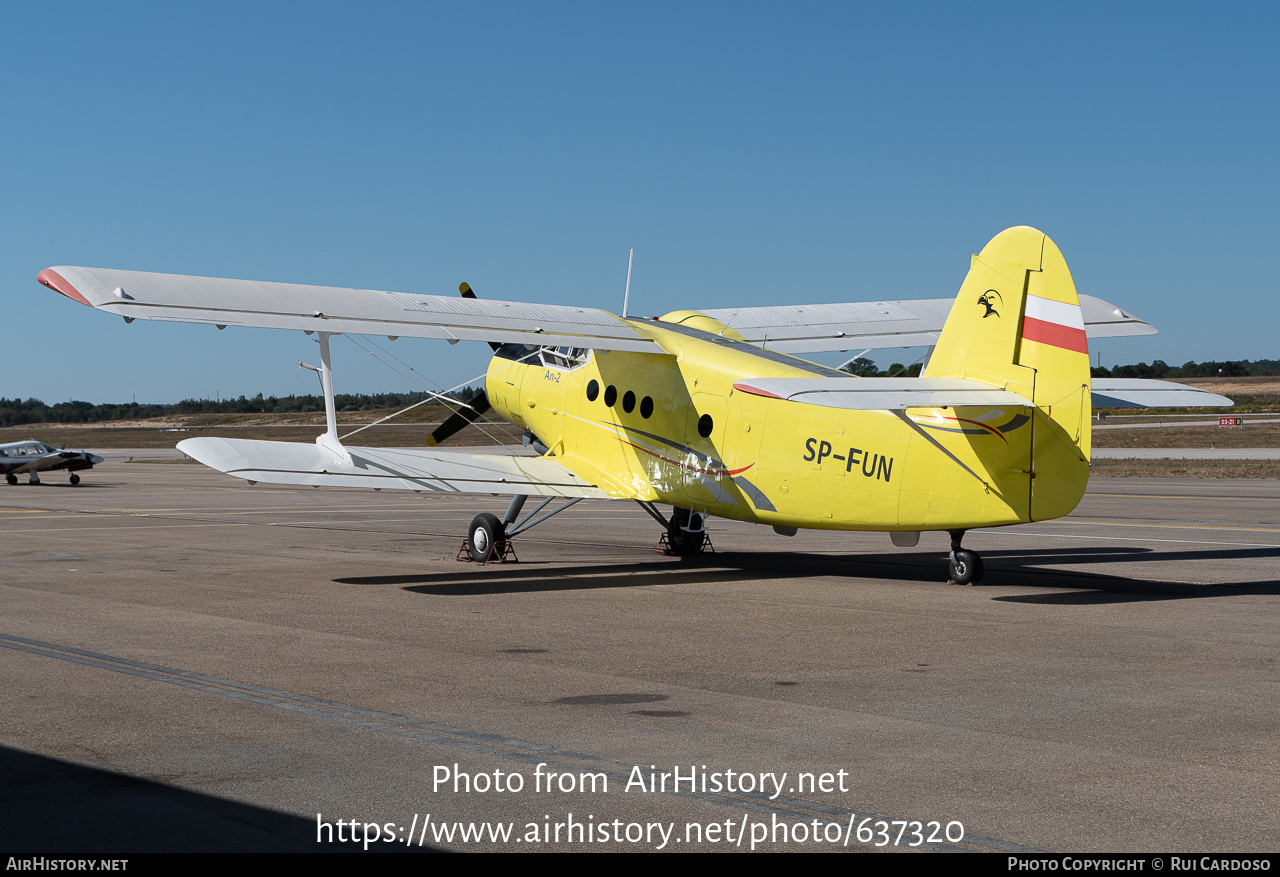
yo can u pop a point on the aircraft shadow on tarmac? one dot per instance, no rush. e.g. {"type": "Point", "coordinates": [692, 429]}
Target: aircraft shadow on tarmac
{"type": "Point", "coordinates": [1016, 568]}
{"type": "Point", "coordinates": [67, 808]}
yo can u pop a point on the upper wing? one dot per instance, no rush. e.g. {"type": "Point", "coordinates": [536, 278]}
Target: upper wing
{"type": "Point", "coordinates": [788, 328]}
{"type": "Point", "coordinates": [807, 328]}
{"type": "Point", "coordinates": [222, 302]}
{"type": "Point", "coordinates": [395, 468]}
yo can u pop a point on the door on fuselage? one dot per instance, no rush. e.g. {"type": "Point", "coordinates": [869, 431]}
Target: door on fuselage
{"type": "Point", "coordinates": [705, 430]}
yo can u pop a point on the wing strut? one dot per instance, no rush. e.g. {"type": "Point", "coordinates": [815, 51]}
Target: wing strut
{"type": "Point", "coordinates": [329, 441]}
{"type": "Point", "coordinates": [529, 521]}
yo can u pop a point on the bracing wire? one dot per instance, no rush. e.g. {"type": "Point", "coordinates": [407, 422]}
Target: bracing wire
{"type": "Point", "coordinates": [432, 395]}
{"type": "Point", "coordinates": [444, 399]}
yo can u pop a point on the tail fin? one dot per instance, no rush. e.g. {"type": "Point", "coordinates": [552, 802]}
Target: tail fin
{"type": "Point", "coordinates": [1017, 325]}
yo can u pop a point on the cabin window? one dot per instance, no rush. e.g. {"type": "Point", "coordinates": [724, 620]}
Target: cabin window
{"type": "Point", "coordinates": [593, 390]}
{"type": "Point", "coordinates": [629, 402]}
{"type": "Point", "coordinates": [705, 425]}
{"type": "Point", "coordinates": [646, 407]}
{"type": "Point", "coordinates": [610, 395]}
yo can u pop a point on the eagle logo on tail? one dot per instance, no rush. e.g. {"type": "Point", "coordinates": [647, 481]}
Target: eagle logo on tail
{"type": "Point", "coordinates": [989, 300]}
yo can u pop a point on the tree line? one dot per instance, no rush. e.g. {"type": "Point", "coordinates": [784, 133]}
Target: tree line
{"type": "Point", "coordinates": [16, 412]}
{"type": "Point", "coordinates": [865, 368]}
{"type": "Point", "coordinates": [1161, 369]}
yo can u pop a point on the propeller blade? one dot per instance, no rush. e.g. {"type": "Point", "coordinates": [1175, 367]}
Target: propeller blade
{"type": "Point", "coordinates": [479, 404]}
{"type": "Point", "coordinates": [467, 292]}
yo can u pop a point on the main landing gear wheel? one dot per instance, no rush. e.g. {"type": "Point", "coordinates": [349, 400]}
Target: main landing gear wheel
{"type": "Point", "coordinates": [678, 536]}
{"type": "Point", "coordinates": [485, 537]}
{"type": "Point", "coordinates": [965, 566]}
{"type": "Point", "coordinates": [75, 479]}
{"type": "Point", "coordinates": [11, 478]}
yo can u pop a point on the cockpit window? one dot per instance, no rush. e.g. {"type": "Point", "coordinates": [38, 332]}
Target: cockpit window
{"type": "Point", "coordinates": [567, 358]}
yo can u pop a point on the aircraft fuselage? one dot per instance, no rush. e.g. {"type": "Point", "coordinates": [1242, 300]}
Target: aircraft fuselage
{"type": "Point", "coordinates": [680, 429]}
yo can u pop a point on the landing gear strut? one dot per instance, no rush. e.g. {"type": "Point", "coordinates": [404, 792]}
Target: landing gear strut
{"type": "Point", "coordinates": [965, 565]}
{"type": "Point", "coordinates": [489, 540]}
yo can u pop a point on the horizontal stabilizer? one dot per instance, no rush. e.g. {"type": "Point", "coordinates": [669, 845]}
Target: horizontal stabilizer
{"type": "Point", "coordinates": [392, 468]}
{"type": "Point", "coordinates": [881, 394]}
{"type": "Point", "coordinates": [1140, 393]}
{"type": "Point", "coordinates": [878, 325]}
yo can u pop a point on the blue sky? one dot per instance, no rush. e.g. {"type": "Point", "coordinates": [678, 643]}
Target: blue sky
{"type": "Point", "coordinates": [750, 153]}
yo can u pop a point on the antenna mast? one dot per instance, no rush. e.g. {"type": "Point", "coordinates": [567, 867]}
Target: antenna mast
{"type": "Point", "coordinates": [627, 295]}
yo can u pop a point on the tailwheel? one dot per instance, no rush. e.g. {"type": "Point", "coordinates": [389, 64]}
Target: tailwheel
{"type": "Point", "coordinates": [75, 479]}
{"type": "Point", "coordinates": [486, 538]}
{"type": "Point", "coordinates": [685, 532]}
{"type": "Point", "coordinates": [965, 566]}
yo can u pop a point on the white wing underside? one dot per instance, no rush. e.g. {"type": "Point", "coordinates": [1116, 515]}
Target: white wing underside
{"type": "Point", "coordinates": [264, 305]}
{"type": "Point", "coordinates": [790, 329]}
{"type": "Point", "coordinates": [392, 468]}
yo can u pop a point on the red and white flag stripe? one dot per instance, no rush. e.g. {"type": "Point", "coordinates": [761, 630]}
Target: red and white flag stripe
{"type": "Point", "coordinates": [1055, 323]}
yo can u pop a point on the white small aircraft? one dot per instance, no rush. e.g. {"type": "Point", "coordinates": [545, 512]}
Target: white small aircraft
{"type": "Point", "coordinates": [32, 457]}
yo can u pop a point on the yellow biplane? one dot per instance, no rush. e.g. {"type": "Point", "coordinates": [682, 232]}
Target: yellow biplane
{"type": "Point", "coordinates": [709, 411]}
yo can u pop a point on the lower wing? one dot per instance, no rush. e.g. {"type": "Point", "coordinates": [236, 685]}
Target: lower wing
{"type": "Point", "coordinates": [1143, 393]}
{"type": "Point", "coordinates": [392, 468]}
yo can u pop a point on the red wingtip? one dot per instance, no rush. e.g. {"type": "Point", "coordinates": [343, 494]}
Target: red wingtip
{"type": "Point", "coordinates": [58, 283]}
{"type": "Point", "coordinates": [755, 391]}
